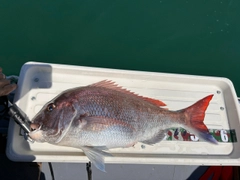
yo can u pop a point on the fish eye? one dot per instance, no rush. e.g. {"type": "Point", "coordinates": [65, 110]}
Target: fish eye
{"type": "Point", "coordinates": [50, 107]}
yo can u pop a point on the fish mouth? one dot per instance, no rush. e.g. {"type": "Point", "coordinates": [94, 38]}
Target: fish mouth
{"type": "Point", "coordinates": [36, 133]}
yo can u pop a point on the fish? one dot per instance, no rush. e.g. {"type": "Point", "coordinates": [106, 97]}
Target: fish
{"type": "Point", "coordinates": [104, 115]}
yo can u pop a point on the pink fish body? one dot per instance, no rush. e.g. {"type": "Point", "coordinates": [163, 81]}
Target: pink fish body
{"type": "Point", "coordinates": [103, 116]}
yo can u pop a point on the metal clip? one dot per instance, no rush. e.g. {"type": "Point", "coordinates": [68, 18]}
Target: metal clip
{"type": "Point", "coordinates": [21, 119]}
{"type": "Point", "coordinates": [27, 138]}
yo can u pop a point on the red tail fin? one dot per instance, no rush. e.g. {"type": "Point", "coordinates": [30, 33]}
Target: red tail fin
{"type": "Point", "coordinates": [195, 116]}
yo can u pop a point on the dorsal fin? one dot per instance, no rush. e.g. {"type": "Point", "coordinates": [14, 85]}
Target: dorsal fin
{"type": "Point", "coordinates": [154, 101]}
{"type": "Point", "coordinates": [112, 85]}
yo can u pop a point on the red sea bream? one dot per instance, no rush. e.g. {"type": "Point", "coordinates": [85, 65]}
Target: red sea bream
{"type": "Point", "coordinates": [103, 115]}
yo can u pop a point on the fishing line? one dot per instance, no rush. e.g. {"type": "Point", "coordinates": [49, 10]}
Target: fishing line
{"type": "Point", "coordinates": [89, 170]}
{"type": "Point", "coordinates": [51, 170]}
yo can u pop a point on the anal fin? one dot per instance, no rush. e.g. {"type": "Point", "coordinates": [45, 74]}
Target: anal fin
{"type": "Point", "coordinates": [157, 138]}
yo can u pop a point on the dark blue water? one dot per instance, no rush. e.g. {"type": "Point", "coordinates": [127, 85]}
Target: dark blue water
{"type": "Point", "coordinates": [189, 37]}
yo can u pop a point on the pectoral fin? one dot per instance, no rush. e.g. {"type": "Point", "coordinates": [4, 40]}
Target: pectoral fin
{"type": "Point", "coordinates": [96, 155]}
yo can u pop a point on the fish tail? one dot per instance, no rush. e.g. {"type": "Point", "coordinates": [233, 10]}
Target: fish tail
{"type": "Point", "coordinates": [195, 116]}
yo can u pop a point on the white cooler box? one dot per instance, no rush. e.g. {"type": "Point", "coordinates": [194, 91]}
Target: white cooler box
{"type": "Point", "coordinates": [40, 82]}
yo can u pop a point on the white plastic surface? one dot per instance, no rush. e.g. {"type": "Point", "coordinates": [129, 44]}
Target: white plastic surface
{"type": "Point", "coordinates": [40, 82]}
